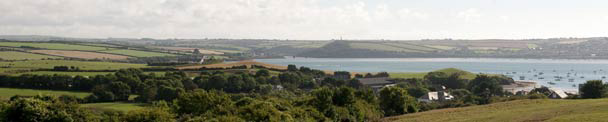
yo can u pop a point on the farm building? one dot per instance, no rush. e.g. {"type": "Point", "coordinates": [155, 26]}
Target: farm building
{"type": "Point", "coordinates": [557, 94]}
{"type": "Point", "coordinates": [341, 75]}
{"type": "Point", "coordinates": [376, 83]}
{"type": "Point", "coordinates": [439, 95]}
{"type": "Point", "coordinates": [435, 96]}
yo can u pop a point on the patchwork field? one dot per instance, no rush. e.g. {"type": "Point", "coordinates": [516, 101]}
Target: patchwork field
{"type": "Point", "coordinates": [84, 65]}
{"type": "Point", "coordinates": [380, 47]}
{"type": "Point", "coordinates": [66, 73]}
{"type": "Point", "coordinates": [54, 46]}
{"type": "Point", "coordinates": [6, 93]}
{"type": "Point", "coordinates": [136, 53]}
{"type": "Point", "coordinates": [81, 54]}
{"type": "Point", "coordinates": [587, 110]}
{"type": "Point", "coordinates": [188, 49]}
{"type": "Point", "coordinates": [228, 65]}
{"type": "Point", "coordinates": [12, 55]}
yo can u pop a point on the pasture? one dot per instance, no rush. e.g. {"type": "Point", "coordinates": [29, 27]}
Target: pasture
{"type": "Point", "coordinates": [81, 54]}
{"type": "Point", "coordinates": [6, 93]}
{"type": "Point", "coordinates": [190, 50]}
{"type": "Point", "coordinates": [247, 63]}
{"type": "Point", "coordinates": [66, 73]}
{"type": "Point", "coordinates": [83, 65]}
{"type": "Point", "coordinates": [13, 55]}
{"type": "Point", "coordinates": [585, 110]}
{"type": "Point", "coordinates": [136, 53]}
{"type": "Point", "coordinates": [380, 47]}
{"type": "Point", "coordinates": [54, 46]}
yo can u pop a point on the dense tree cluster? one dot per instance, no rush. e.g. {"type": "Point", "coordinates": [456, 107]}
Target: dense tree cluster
{"type": "Point", "coordinates": [298, 94]}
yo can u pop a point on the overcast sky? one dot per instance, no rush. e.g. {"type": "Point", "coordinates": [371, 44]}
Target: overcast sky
{"type": "Point", "coordinates": [306, 19]}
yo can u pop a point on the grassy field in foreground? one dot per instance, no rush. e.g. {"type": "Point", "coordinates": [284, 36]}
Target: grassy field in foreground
{"type": "Point", "coordinates": [55, 46]}
{"type": "Point", "coordinates": [115, 106]}
{"type": "Point", "coordinates": [136, 53]}
{"type": "Point", "coordinates": [466, 74]}
{"type": "Point", "coordinates": [12, 55]}
{"type": "Point", "coordinates": [517, 111]}
{"type": "Point", "coordinates": [6, 93]}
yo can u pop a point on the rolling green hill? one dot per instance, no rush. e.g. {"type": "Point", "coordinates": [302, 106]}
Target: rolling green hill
{"type": "Point", "coordinates": [13, 55]}
{"type": "Point", "coordinates": [465, 74]}
{"type": "Point", "coordinates": [517, 111]}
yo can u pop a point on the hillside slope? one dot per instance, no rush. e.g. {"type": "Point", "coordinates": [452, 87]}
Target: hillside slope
{"type": "Point", "coordinates": [517, 111]}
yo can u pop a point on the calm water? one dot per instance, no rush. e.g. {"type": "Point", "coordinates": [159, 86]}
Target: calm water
{"type": "Point", "coordinates": [573, 72]}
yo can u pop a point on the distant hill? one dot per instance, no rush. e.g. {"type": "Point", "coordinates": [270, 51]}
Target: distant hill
{"type": "Point", "coordinates": [564, 48]}
{"type": "Point", "coordinates": [517, 111]}
{"type": "Point", "coordinates": [40, 38]}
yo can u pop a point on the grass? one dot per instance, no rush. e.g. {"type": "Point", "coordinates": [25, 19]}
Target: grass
{"type": "Point", "coordinates": [83, 65]}
{"type": "Point", "coordinates": [518, 111]}
{"type": "Point", "coordinates": [12, 55]}
{"type": "Point", "coordinates": [136, 53]}
{"type": "Point", "coordinates": [465, 74]}
{"type": "Point", "coordinates": [120, 106]}
{"type": "Point", "coordinates": [79, 73]}
{"type": "Point", "coordinates": [412, 46]}
{"type": "Point", "coordinates": [55, 46]}
{"type": "Point", "coordinates": [380, 47]}
{"type": "Point", "coordinates": [6, 93]}
{"type": "Point", "coordinates": [441, 47]}
{"type": "Point", "coordinates": [67, 73]}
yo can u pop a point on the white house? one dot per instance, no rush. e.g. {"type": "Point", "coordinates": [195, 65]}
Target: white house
{"type": "Point", "coordinates": [435, 96]}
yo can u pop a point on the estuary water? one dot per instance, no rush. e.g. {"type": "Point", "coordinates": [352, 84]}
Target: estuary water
{"type": "Point", "coordinates": [565, 74]}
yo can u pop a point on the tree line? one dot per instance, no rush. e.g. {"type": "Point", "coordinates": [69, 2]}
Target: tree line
{"type": "Point", "coordinates": [298, 94]}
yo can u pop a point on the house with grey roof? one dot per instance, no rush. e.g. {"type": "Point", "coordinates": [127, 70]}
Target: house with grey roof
{"type": "Point", "coordinates": [376, 83]}
{"type": "Point", "coordinates": [557, 94]}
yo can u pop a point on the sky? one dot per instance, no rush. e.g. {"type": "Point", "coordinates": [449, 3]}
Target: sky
{"type": "Point", "coordinates": [306, 19]}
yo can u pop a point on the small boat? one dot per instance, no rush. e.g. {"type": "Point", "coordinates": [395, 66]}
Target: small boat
{"type": "Point", "coordinates": [571, 80]}
{"type": "Point", "coordinates": [603, 77]}
{"type": "Point", "coordinates": [541, 78]}
{"type": "Point", "coordinates": [573, 85]}
{"type": "Point", "coordinates": [535, 75]}
{"type": "Point", "coordinates": [522, 77]}
{"type": "Point", "coordinates": [582, 76]}
{"type": "Point", "coordinates": [541, 73]}
{"type": "Point", "coordinates": [551, 83]}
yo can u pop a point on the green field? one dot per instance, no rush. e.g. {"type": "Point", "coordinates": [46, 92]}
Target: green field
{"type": "Point", "coordinates": [79, 73]}
{"type": "Point", "coordinates": [412, 46]}
{"type": "Point", "coordinates": [466, 74]}
{"type": "Point", "coordinates": [9, 92]}
{"type": "Point", "coordinates": [98, 45]}
{"type": "Point", "coordinates": [67, 73]}
{"type": "Point", "coordinates": [12, 55]}
{"type": "Point", "coordinates": [120, 106]}
{"type": "Point", "coordinates": [136, 53]}
{"type": "Point", "coordinates": [380, 47]}
{"type": "Point", "coordinates": [518, 111]}
{"type": "Point", "coordinates": [55, 46]}
{"type": "Point", "coordinates": [83, 65]}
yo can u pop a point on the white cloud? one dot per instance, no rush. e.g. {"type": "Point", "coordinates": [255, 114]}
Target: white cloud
{"type": "Point", "coordinates": [470, 15]}
{"type": "Point", "coordinates": [293, 19]}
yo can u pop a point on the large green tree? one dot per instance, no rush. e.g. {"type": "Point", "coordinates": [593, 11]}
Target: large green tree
{"type": "Point", "coordinates": [593, 89]}
{"type": "Point", "coordinates": [396, 101]}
